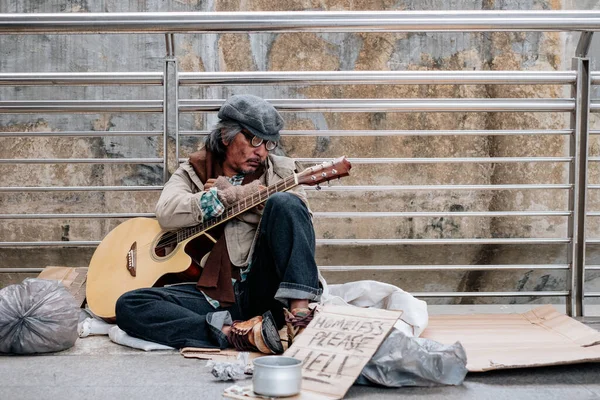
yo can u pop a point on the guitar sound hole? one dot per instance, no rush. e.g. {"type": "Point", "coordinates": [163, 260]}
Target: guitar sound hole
{"type": "Point", "coordinates": [166, 244]}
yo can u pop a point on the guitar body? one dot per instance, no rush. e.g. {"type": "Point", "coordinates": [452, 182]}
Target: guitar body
{"type": "Point", "coordinates": [108, 274]}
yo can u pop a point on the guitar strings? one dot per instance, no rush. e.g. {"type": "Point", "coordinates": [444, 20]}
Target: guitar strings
{"type": "Point", "coordinates": [172, 236]}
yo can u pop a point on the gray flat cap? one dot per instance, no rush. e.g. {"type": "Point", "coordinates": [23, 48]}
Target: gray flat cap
{"type": "Point", "coordinates": [254, 114]}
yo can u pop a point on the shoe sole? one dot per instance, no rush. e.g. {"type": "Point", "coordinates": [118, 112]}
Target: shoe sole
{"type": "Point", "coordinates": [271, 334]}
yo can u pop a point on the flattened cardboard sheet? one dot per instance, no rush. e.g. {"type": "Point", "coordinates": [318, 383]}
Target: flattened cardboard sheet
{"type": "Point", "coordinates": [73, 279]}
{"type": "Point", "coordinates": [227, 355]}
{"type": "Point", "coordinates": [540, 337]}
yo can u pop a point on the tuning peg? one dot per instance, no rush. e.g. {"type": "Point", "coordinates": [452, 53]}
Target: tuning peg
{"type": "Point", "coordinates": [318, 187]}
{"type": "Point", "coordinates": [329, 183]}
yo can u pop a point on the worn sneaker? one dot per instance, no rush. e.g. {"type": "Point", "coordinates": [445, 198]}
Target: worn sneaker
{"type": "Point", "coordinates": [256, 334]}
{"type": "Point", "coordinates": [296, 321]}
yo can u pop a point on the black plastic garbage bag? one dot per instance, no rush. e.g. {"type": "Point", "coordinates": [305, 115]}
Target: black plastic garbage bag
{"type": "Point", "coordinates": [37, 316]}
{"type": "Point", "coordinates": [407, 361]}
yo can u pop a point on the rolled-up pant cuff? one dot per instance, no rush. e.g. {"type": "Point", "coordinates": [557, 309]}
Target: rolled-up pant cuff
{"type": "Point", "coordinates": [216, 321]}
{"type": "Point", "coordinates": [294, 291]}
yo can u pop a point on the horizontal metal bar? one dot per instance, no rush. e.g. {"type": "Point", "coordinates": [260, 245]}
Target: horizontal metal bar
{"type": "Point", "coordinates": [21, 270]}
{"type": "Point", "coordinates": [364, 242]}
{"type": "Point", "coordinates": [448, 267]}
{"type": "Point", "coordinates": [471, 132]}
{"type": "Point", "coordinates": [330, 242]}
{"type": "Point", "coordinates": [300, 21]}
{"type": "Point", "coordinates": [359, 214]}
{"type": "Point", "coordinates": [346, 268]}
{"type": "Point", "coordinates": [81, 161]}
{"type": "Point", "coordinates": [377, 188]}
{"type": "Point", "coordinates": [81, 134]}
{"type": "Point", "coordinates": [434, 160]}
{"type": "Point", "coordinates": [317, 214]}
{"type": "Point", "coordinates": [592, 240]}
{"type": "Point", "coordinates": [592, 267]}
{"type": "Point", "coordinates": [398, 105]}
{"type": "Point", "coordinates": [75, 243]}
{"type": "Point", "coordinates": [594, 132]}
{"type": "Point", "coordinates": [28, 189]}
{"type": "Point", "coordinates": [449, 160]}
{"type": "Point", "coordinates": [79, 106]}
{"type": "Point", "coordinates": [378, 77]}
{"type": "Point", "coordinates": [594, 105]}
{"type": "Point", "coordinates": [595, 78]}
{"type": "Point", "coordinates": [474, 132]}
{"type": "Point", "coordinates": [591, 294]}
{"type": "Point", "coordinates": [492, 294]}
{"type": "Point", "coordinates": [593, 213]}
{"type": "Point", "coordinates": [593, 159]}
{"type": "Point", "coordinates": [76, 216]}
{"type": "Point", "coordinates": [81, 78]}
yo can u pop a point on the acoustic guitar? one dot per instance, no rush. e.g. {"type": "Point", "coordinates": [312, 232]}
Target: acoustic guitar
{"type": "Point", "coordinates": [140, 254]}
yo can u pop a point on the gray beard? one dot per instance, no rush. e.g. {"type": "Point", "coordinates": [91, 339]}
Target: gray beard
{"type": "Point", "coordinates": [248, 172]}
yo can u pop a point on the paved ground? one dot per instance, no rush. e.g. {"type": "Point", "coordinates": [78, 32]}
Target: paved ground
{"type": "Point", "coordinates": [99, 369]}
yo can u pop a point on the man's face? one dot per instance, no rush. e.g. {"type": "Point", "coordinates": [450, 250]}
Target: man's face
{"type": "Point", "coordinates": [241, 157]}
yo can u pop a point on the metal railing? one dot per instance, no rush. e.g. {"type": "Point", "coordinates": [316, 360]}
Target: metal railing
{"type": "Point", "coordinates": [305, 21]}
{"type": "Point", "coordinates": [578, 106]}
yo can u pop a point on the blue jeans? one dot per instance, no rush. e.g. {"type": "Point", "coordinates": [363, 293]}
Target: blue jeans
{"type": "Point", "coordinates": [283, 267]}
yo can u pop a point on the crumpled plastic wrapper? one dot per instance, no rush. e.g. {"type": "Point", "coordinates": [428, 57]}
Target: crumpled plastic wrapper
{"type": "Point", "coordinates": [406, 361]}
{"type": "Point", "coordinates": [231, 371]}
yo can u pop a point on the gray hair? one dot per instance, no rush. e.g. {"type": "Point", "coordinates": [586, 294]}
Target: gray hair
{"type": "Point", "coordinates": [225, 129]}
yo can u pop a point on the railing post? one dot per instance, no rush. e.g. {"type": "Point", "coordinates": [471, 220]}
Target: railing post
{"type": "Point", "coordinates": [578, 172]}
{"type": "Point", "coordinates": [170, 104]}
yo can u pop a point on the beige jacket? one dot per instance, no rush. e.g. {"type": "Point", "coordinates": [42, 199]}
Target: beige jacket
{"type": "Point", "coordinates": [179, 206]}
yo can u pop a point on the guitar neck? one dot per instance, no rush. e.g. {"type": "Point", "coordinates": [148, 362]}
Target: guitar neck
{"type": "Point", "coordinates": [238, 208]}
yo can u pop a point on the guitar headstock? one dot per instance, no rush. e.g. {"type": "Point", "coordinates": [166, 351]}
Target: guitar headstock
{"type": "Point", "coordinates": [327, 171]}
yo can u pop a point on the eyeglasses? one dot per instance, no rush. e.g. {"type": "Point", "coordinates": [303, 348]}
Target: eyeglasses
{"type": "Point", "coordinates": [255, 141]}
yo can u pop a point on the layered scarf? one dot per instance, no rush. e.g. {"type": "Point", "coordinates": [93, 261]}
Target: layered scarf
{"type": "Point", "coordinates": [216, 277]}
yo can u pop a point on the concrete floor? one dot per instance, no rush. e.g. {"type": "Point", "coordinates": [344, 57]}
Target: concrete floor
{"type": "Point", "coordinates": [96, 368]}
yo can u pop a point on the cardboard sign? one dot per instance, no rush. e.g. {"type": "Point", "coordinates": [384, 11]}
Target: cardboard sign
{"type": "Point", "coordinates": [334, 348]}
{"type": "Point", "coordinates": [337, 344]}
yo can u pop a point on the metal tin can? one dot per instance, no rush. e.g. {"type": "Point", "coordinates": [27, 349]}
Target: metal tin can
{"type": "Point", "coordinates": [277, 376]}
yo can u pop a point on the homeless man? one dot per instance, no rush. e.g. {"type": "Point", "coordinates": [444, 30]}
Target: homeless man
{"type": "Point", "coordinates": [261, 272]}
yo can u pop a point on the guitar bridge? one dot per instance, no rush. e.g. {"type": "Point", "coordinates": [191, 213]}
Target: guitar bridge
{"type": "Point", "coordinates": [131, 259]}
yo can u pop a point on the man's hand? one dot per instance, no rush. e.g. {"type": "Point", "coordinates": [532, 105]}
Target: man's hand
{"type": "Point", "coordinates": [261, 206]}
{"type": "Point", "coordinates": [228, 194]}
{"type": "Point", "coordinates": [209, 183]}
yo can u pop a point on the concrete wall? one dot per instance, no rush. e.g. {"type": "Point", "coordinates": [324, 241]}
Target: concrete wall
{"type": "Point", "coordinates": [308, 51]}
